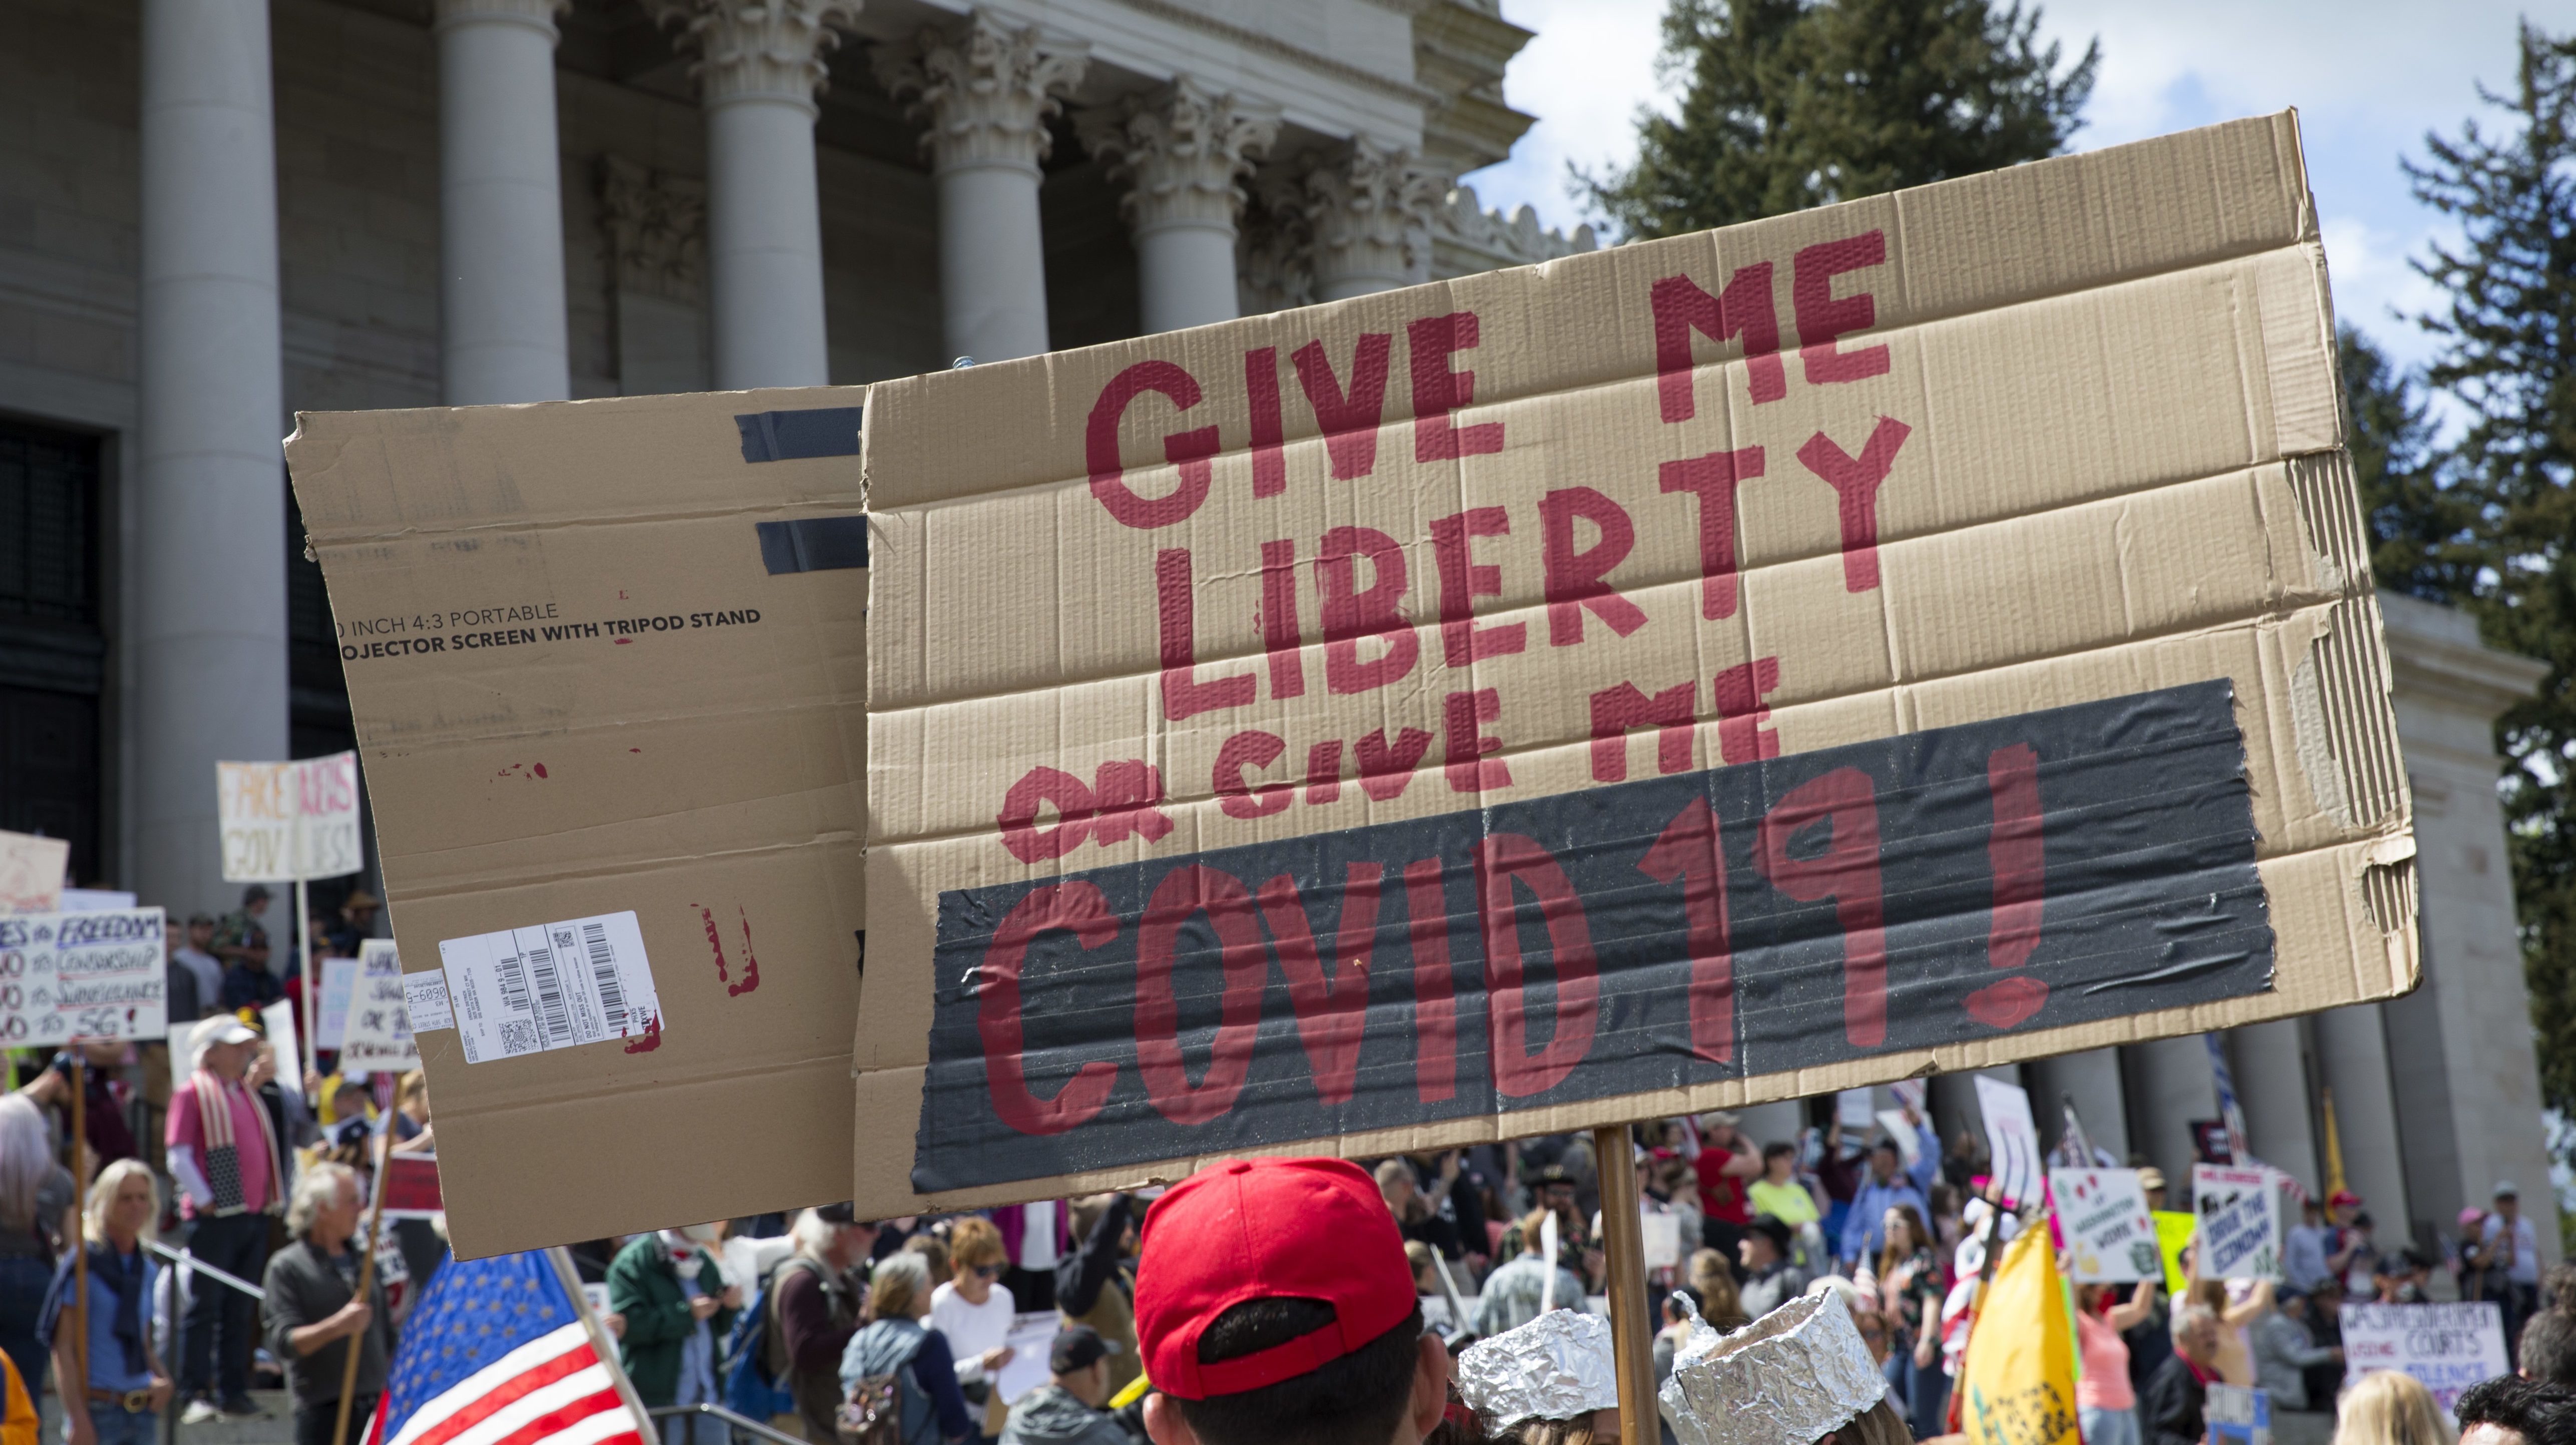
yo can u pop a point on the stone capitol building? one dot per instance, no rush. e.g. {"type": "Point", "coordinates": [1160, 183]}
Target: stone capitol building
{"type": "Point", "coordinates": [215, 213]}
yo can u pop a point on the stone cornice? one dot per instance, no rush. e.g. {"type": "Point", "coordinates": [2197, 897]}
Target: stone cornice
{"type": "Point", "coordinates": [1260, 43]}
{"type": "Point", "coordinates": [986, 88]}
{"type": "Point", "coordinates": [1181, 150]}
{"type": "Point", "coordinates": [758, 49]}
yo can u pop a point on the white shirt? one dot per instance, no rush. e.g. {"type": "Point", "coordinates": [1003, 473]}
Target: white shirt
{"type": "Point", "coordinates": [210, 975]}
{"type": "Point", "coordinates": [1037, 1236]}
{"type": "Point", "coordinates": [2525, 1268]}
{"type": "Point", "coordinates": [972, 1329]}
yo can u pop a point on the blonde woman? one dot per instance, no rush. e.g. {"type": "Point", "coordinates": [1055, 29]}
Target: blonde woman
{"type": "Point", "coordinates": [973, 1309]}
{"type": "Point", "coordinates": [895, 1352]}
{"type": "Point", "coordinates": [2386, 1407]}
{"type": "Point", "coordinates": [126, 1389]}
{"type": "Point", "coordinates": [35, 1193]}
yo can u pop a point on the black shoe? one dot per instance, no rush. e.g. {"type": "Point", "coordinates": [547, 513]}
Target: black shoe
{"type": "Point", "coordinates": [242, 1408]}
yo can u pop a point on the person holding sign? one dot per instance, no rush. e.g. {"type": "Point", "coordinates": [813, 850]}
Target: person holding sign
{"type": "Point", "coordinates": [313, 1311]}
{"type": "Point", "coordinates": [123, 1387]}
{"type": "Point", "coordinates": [2106, 1404]}
{"type": "Point", "coordinates": [223, 1150]}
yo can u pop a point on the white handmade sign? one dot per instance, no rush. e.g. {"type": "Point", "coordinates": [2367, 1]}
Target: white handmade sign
{"type": "Point", "coordinates": [2012, 1138]}
{"type": "Point", "coordinates": [2109, 1236]}
{"type": "Point", "coordinates": [378, 1035]}
{"type": "Point", "coordinates": [82, 975]}
{"type": "Point", "coordinates": [2240, 1222]}
{"type": "Point", "coordinates": [287, 821]}
{"type": "Point", "coordinates": [31, 873]}
{"type": "Point", "coordinates": [339, 978]}
{"type": "Point", "coordinates": [2449, 1347]}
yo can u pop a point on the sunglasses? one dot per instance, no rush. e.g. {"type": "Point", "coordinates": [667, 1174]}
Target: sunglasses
{"type": "Point", "coordinates": [988, 1271]}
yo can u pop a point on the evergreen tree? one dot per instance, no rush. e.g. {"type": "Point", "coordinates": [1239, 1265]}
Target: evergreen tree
{"type": "Point", "coordinates": [2423, 533]}
{"type": "Point", "coordinates": [1797, 103]}
{"type": "Point", "coordinates": [2509, 328]}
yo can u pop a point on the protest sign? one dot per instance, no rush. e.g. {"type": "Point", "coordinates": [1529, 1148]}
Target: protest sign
{"type": "Point", "coordinates": [2103, 1213]}
{"type": "Point", "coordinates": [2447, 1346]}
{"type": "Point", "coordinates": [657, 606]}
{"type": "Point", "coordinates": [1852, 1110]}
{"type": "Point", "coordinates": [1533, 700]}
{"type": "Point", "coordinates": [2012, 1139]}
{"type": "Point", "coordinates": [31, 873]}
{"type": "Point", "coordinates": [2238, 1415]}
{"type": "Point", "coordinates": [411, 1187]}
{"type": "Point", "coordinates": [2239, 1214]}
{"type": "Point", "coordinates": [2173, 1235]}
{"type": "Point", "coordinates": [1031, 1339]}
{"type": "Point", "coordinates": [279, 1026]}
{"type": "Point", "coordinates": [96, 975]}
{"type": "Point", "coordinates": [288, 821]}
{"type": "Point", "coordinates": [339, 977]}
{"type": "Point", "coordinates": [379, 1031]}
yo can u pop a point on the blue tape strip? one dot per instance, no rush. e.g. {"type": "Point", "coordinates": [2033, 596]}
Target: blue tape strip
{"type": "Point", "coordinates": [778, 436]}
{"type": "Point", "coordinates": [813, 544]}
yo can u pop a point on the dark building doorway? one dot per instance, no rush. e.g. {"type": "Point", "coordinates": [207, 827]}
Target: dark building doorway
{"type": "Point", "coordinates": [53, 650]}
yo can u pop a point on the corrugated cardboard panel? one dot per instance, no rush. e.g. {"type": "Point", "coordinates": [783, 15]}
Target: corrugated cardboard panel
{"type": "Point", "coordinates": [610, 657]}
{"type": "Point", "coordinates": [1984, 497]}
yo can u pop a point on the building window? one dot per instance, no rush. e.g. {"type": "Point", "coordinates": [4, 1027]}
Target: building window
{"type": "Point", "coordinates": [53, 657]}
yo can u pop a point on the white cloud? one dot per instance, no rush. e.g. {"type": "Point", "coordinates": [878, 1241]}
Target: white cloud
{"type": "Point", "coordinates": [2369, 77]}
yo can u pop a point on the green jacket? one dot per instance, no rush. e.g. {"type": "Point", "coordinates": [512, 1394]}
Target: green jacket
{"type": "Point", "coordinates": [644, 1288]}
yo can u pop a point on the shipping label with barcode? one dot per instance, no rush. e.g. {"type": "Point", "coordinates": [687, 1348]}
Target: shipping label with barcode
{"type": "Point", "coordinates": [526, 990]}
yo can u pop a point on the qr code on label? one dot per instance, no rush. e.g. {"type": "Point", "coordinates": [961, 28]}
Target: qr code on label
{"type": "Point", "coordinates": [518, 1038]}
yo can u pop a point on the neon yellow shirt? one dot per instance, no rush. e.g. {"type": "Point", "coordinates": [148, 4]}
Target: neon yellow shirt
{"type": "Point", "coordinates": [1790, 1203]}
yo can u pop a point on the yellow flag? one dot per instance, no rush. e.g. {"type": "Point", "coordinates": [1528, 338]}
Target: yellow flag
{"type": "Point", "coordinates": [2017, 1386]}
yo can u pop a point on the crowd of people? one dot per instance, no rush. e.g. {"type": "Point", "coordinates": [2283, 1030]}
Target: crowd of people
{"type": "Point", "coordinates": [906, 1326]}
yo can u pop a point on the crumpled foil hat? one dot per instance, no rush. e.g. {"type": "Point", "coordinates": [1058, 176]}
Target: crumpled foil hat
{"type": "Point", "coordinates": [1556, 1367]}
{"type": "Point", "coordinates": [1789, 1378]}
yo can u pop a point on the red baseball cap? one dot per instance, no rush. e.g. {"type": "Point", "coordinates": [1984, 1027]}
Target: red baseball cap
{"type": "Point", "coordinates": [2341, 1198]}
{"type": "Point", "coordinates": [1253, 1229]}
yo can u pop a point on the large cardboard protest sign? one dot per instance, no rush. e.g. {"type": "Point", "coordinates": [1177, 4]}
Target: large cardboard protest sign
{"type": "Point", "coordinates": [87, 975]}
{"type": "Point", "coordinates": [607, 665]}
{"type": "Point", "coordinates": [285, 821]}
{"type": "Point", "coordinates": [1919, 633]}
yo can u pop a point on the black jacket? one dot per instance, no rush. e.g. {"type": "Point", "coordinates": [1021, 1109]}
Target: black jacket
{"type": "Point", "coordinates": [2169, 1413]}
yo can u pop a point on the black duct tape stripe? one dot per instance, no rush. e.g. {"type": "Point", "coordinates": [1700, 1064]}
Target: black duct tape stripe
{"type": "Point", "coordinates": [2055, 868]}
{"type": "Point", "coordinates": [778, 436]}
{"type": "Point", "coordinates": [814, 544]}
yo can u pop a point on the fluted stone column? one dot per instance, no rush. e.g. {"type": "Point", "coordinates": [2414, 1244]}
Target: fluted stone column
{"type": "Point", "coordinates": [2352, 1059]}
{"type": "Point", "coordinates": [500, 203]}
{"type": "Point", "coordinates": [2270, 1064]}
{"type": "Point", "coordinates": [2092, 1080]}
{"type": "Point", "coordinates": [1371, 213]}
{"type": "Point", "coordinates": [210, 576]}
{"type": "Point", "coordinates": [2169, 1085]}
{"type": "Point", "coordinates": [1181, 151]}
{"type": "Point", "coordinates": [987, 89]}
{"type": "Point", "coordinates": [760, 65]}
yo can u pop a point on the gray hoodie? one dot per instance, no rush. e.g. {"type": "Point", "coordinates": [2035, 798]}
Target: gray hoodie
{"type": "Point", "coordinates": [1050, 1415]}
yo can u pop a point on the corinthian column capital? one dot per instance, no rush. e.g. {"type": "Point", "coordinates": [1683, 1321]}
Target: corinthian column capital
{"type": "Point", "coordinates": [758, 49]}
{"type": "Point", "coordinates": [1181, 149]}
{"type": "Point", "coordinates": [1371, 212]}
{"type": "Point", "coordinates": [986, 89]}
{"type": "Point", "coordinates": [537, 15]}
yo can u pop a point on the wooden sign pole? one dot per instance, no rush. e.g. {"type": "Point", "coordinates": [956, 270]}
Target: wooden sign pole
{"type": "Point", "coordinates": [1632, 1329]}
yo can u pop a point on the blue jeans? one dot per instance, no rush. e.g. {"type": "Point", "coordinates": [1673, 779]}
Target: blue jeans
{"type": "Point", "coordinates": [22, 1299]}
{"type": "Point", "coordinates": [115, 1426]}
{"type": "Point", "coordinates": [2107, 1427]}
{"type": "Point", "coordinates": [1922, 1392]}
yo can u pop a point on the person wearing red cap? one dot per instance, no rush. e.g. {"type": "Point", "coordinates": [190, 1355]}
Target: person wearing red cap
{"type": "Point", "coordinates": [1274, 1307]}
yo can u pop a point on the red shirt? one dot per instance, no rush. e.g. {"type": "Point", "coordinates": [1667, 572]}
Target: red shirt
{"type": "Point", "coordinates": [1721, 1195]}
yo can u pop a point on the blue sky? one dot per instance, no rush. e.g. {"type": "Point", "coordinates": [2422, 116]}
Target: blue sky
{"type": "Point", "coordinates": [2369, 78]}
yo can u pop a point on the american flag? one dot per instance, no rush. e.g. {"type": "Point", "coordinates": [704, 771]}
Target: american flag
{"type": "Point", "coordinates": [496, 1354]}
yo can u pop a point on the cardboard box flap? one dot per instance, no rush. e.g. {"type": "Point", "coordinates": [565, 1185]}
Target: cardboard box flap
{"type": "Point", "coordinates": [607, 662]}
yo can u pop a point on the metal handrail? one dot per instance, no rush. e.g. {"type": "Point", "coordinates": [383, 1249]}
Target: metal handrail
{"type": "Point", "coordinates": [739, 1422]}
{"type": "Point", "coordinates": [189, 1264]}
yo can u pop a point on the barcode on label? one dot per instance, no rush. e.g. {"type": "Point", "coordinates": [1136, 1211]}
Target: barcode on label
{"type": "Point", "coordinates": [603, 972]}
{"type": "Point", "coordinates": [532, 989]}
{"type": "Point", "coordinates": [550, 996]}
{"type": "Point", "coordinates": [514, 981]}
